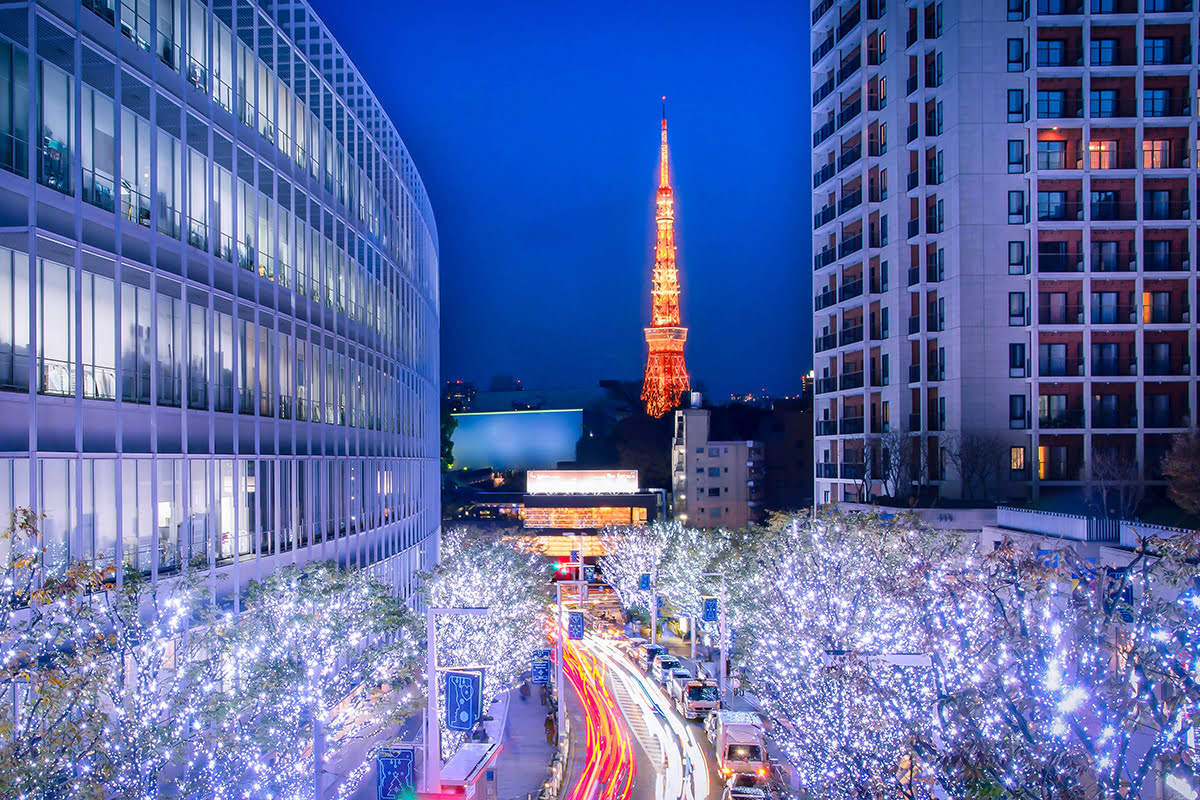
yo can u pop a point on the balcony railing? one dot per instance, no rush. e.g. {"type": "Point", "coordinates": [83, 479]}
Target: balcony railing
{"type": "Point", "coordinates": [1060, 367]}
{"type": "Point", "coordinates": [850, 425]}
{"type": "Point", "coordinates": [850, 245]}
{"type": "Point", "coordinates": [1168, 209]}
{"type": "Point", "coordinates": [1059, 210]}
{"type": "Point", "coordinates": [826, 385]}
{"type": "Point", "coordinates": [820, 10]}
{"type": "Point", "coordinates": [1168, 366]}
{"type": "Point", "coordinates": [850, 335]}
{"type": "Point", "coordinates": [825, 215]}
{"type": "Point", "coordinates": [825, 299]}
{"type": "Point", "coordinates": [826, 342]}
{"type": "Point", "coordinates": [822, 49]}
{"type": "Point", "coordinates": [1059, 7]}
{"type": "Point", "coordinates": [825, 470]}
{"type": "Point", "coordinates": [1114, 367]}
{"type": "Point", "coordinates": [1069, 418]}
{"type": "Point", "coordinates": [824, 173]}
{"type": "Point", "coordinates": [1170, 261]}
{"type": "Point", "coordinates": [848, 22]}
{"type": "Point", "coordinates": [1113, 417]}
{"type": "Point", "coordinates": [1120, 262]}
{"type": "Point", "coordinates": [826, 427]}
{"type": "Point", "coordinates": [1167, 6]}
{"type": "Point", "coordinates": [853, 470]}
{"type": "Point", "coordinates": [850, 290]}
{"type": "Point", "coordinates": [1164, 419]}
{"type": "Point", "coordinates": [824, 132]}
{"type": "Point", "coordinates": [1068, 56]}
{"type": "Point", "coordinates": [1113, 210]}
{"type": "Point", "coordinates": [849, 201]}
{"type": "Point", "coordinates": [849, 112]}
{"type": "Point", "coordinates": [848, 157]}
{"type": "Point", "coordinates": [911, 132]}
{"type": "Point", "coordinates": [1068, 107]}
{"type": "Point", "coordinates": [824, 90]}
{"type": "Point", "coordinates": [1122, 314]}
{"type": "Point", "coordinates": [849, 67]}
{"type": "Point", "coordinates": [1170, 107]}
{"type": "Point", "coordinates": [1173, 313]}
{"type": "Point", "coordinates": [851, 380]}
{"type": "Point", "coordinates": [935, 373]}
{"type": "Point", "coordinates": [1060, 315]}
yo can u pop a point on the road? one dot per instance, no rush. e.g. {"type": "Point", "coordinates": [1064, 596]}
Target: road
{"type": "Point", "coordinates": [638, 746]}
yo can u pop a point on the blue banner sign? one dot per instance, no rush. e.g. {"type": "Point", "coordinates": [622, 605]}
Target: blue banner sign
{"type": "Point", "coordinates": [464, 693]}
{"type": "Point", "coordinates": [644, 582]}
{"type": "Point", "coordinates": [575, 625]}
{"type": "Point", "coordinates": [589, 574]}
{"type": "Point", "coordinates": [396, 776]}
{"type": "Point", "coordinates": [540, 667]}
{"type": "Point", "coordinates": [711, 610]}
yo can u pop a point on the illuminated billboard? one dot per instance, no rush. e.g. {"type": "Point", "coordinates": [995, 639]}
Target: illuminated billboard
{"type": "Point", "coordinates": [582, 481]}
{"type": "Point", "coordinates": [516, 440]}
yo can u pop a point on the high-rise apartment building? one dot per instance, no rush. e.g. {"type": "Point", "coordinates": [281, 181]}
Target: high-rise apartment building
{"type": "Point", "coordinates": [218, 295]}
{"type": "Point", "coordinates": [1004, 234]}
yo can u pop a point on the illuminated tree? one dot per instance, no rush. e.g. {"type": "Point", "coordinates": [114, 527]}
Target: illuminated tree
{"type": "Point", "coordinates": [51, 671]}
{"type": "Point", "coordinates": [821, 630]}
{"type": "Point", "coordinates": [321, 657]}
{"type": "Point", "coordinates": [633, 551]}
{"type": "Point", "coordinates": [482, 571]}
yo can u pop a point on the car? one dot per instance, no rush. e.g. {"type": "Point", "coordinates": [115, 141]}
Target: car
{"type": "Point", "coordinates": [742, 780]}
{"type": "Point", "coordinates": [646, 654]}
{"type": "Point", "coordinates": [745, 793]}
{"type": "Point", "coordinates": [629, 647]}
{"type": "Point", "coordinates": [663, 665]}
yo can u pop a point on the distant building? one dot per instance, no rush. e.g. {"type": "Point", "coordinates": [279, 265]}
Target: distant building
{"type": "Point", "coordinates": [714, 483]}
{"type": "Point", "coordinates": [585, 499]}
{"type": "Point", "coordinates": [459, 396]}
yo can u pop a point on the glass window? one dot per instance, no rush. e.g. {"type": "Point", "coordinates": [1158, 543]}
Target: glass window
{"type": "Point", "coordinates": [1016, 360]}
{"type": "Point", "coordinates": [1102, 154]}
{"type": "Point", "coordinates": [197, 227]}
{"type": "Point", "coordinates": [135, 21]}
{"type": "Point", "coordinates": [1050, 53]}
{"type": "Point", "coordinates": [197, 46]}
{"type": "Point", "coordinates": [137, 346]}
{"type": "Point", "coordinates": [1016, 156]}
{"type": "Point", "coordinates": [98, 150]}
{"type": "Point", "coordinates": [1016, 10]}
{"type": "Point", "coordinates": [1104, 52]}
{"type": "Point", "coordinates": [98, 346]}
{"type": "Point", "coordinates": [1016, 459]}
{"type": "Point", "coordinates": [1157, 51]}
{"type": "Point", "coordinates": [169, 514]}
{"type": "Point", "coordinates": [1052, 205]}
{"type": "Point", "coordinates": [1016, 308]}
{"type": "Point", "coordinates": [1016, 105]}
{"type": "Point", "coordinates": [135, 167]}
{"type": "Point", "coordinates": [168, 28]}
{"type": "Point", "coordinates": [222, 65]}
{"type": "Point", "coordinates": [197, 356]}
{"type": "Point", "coordinates": [223, 356]}
{"type": "Point", "coordinates": [1156, 102]}
{"type": "Point", "coordinates": [1016, 411]}
{"type": "Point", "coordinates": [1016, 207]}
{"type": "Point", "coordinates": [223, 212]}
{"type": "Point", "coordinates": [1016, 55]}
{"type": "Point", "coordinates": [1156, 154]}
{"type": "Point", "coordinates": [170, 186]}
{"type": "Point", "coordinates": [170, 351]}
{"type": "Point", "coordinates": [1016, 258]}
{"type": "Point", "coordinates": [1051, 154]}
{"type": "Point", "coordinates": [56, 329]}
{"type": "Point", "coordinates": [1051, 104]}
{"type": "Point", "coordinates": [54, 148]}
{"type": "Point", "coordinates": [14, 321]}
{"type": "Point", "coordinates": [14, 108]}
{"type": "Point", "coordinates": [1104, 103]}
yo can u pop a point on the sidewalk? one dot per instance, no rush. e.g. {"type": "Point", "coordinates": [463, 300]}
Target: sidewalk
{"type": "Point", "coordinates": [524, 759]}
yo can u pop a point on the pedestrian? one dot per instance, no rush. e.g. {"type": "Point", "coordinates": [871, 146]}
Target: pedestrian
{"type": "Point", "coordinates": [551, 728]}
{"type": "Point", "coordinates": [524, 690]}
{"type": "Point", "coordinates": [545, 694]}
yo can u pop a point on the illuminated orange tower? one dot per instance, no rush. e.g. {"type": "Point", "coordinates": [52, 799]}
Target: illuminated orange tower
{"type": "Point", "coordinates": [666, 376]}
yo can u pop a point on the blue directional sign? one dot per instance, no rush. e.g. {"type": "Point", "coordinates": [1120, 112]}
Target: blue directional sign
{"type": "Point", "coordinates": [711, 610]}
{"type": "Point", "coordinates": [575, 625]}
{"type": "Point", "coordinates": [644, 582]}
{"type": "Point", "coordinates": [464, 691]}
{"type": "Point", "coordinates": [574, 555]}
{"type": "Point", "coordinates": [589, 574]}
{"type": "Point", "coordinates": [540, 667]}
{"type": "Point", "coordinates": [660, 601]}
{"type": "Point", "coordinates": [396, 776]}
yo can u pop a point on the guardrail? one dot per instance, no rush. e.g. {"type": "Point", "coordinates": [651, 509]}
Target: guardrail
{"type": "Point", "coordinates": [1126, 533]}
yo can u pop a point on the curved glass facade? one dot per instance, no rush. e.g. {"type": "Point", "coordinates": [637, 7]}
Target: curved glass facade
{"type": "Point", "coordinates": [218, 294]}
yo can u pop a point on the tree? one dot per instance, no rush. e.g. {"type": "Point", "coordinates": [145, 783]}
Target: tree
{"type": "Point", "coordinates": [979, 460]}
{"type": "Point", "coordinates": [632, 551]}
{"type": "Point", "coordinates": [486, 571]}
{"type": "Point", "coordinates": [1181, 467]}
{"type": "Point", "coordinates": [449, 424]}
{"type": "Point", "coordinates": [52, 671]}
{"type": "Point", "coordinates": [899, 463]}
{"type": "Point", "coordinates": [1117, 486]}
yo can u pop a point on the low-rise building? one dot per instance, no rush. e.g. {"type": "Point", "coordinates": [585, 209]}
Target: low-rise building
{"type": "Point", "coordinates": [714, 483]}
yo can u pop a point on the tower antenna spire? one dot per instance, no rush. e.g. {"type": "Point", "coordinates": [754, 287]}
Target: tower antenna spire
{"type": "Point", "coordinates": [666, 376]}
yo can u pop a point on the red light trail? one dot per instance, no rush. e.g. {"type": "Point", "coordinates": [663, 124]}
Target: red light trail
{"type": "Point", "coordinates": [610, 766]}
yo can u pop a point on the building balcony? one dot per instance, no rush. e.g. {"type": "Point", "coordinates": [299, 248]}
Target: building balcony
{"type": "Point", "coordinates": [849, 157]}
{"type": "Point", "coordinates": [824, 132]}
{"type": "Point", "coordinates": [1067, 56]}
{"type": "Point", "coordinates": [914, 277]}
{"type": "Point", "coordinates": [849, 67]}
{"type": "Point", "coordinates": [826, 385]}
{"type": "Point", "coordinates": [823, 48]}
{"type": "Point", "coordinates": [1059, 211]}
{"type": "Point", "coordinates": [1165, 419]}
{"type": "Point", "coordinates": [825, 470]}
{"type": "Point", "coordinates": [851, 380]}
{"type": "Point", "coordinates": [825, 258]}
{"type": "Point", "coordinates": [849, 112]}
{"type": "Point", "coordinates": [1169, 261]}
{"type": "Point", "coordinates": [1060, 367]}
{"type": "Point", "coordinates": [850, 290]}
{"type": "Point", "coordinates": [1168, 366]}
{"type": "Point", "coordinates": [1114, 417]}
{"type": "Point", "coordinates": [1115, 210]}
{"type": "Point", "coordinates": [1060, 315]}
{"type": "Point", "coordinates": [914, 422]}
{"type": "Point", "coordinates": [826, 342]}
{"type": "Point", "coordinates": [1121, 314]}
{"type": "Point", "coordinates": [826, 427]}
{"type": "Point", "coordinates": [850, 335]}
{"type": "Point", "coordinates": [824, 216]}
{"type": "Point", "coordinates": [1114, 367]}
{"type": "Point", "coordinates": [850, 425]}
{"type": "Point", "coordinates": [936, 373]}
{"type": "Point", "coordinates": [1060, 108]}
{"type": "Point", "coordinates": [914, 373]}
{"type": "Point", "coordinates": [1069, 418]}
{"type": "Point", "coordinates": [850, 245]}
{"type": "Point", "coordinates": [854, 470]}
{"type": "Point", "coordinates": [1116, 262]}
{"type": "Point", "coordinates": [1053, 8]}
{"type": "Point", "coordinates": [1059, 470]}
{"type": "Point", "coordinates": [851, 200]}
{"type": "Point", "coordinates": [823, 91]}
{"type": "Point", "coordinates": [825, 299]}
{"type": "Point", "coordinates": [1153, 107]}
{"type": "Point", "coordinates": [824, 173]}
{"type": "Point", "coordinates": [1167, 209]}
{"type": "Point", "coordinates": [914, 324]}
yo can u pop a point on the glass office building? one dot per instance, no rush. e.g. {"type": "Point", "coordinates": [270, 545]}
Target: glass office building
{"type": "Point", "coordinates": [218, 294]}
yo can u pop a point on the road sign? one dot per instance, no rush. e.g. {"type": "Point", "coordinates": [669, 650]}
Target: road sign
{"type": "Point", "coordinates": [574, 555]}
{"type": "Point", "coordinates": [540, 668]}
{"type": "Point", "coordinates": [575, 625]}
{"type": "Point", "coordinates": [464, 692]}
{"type": "Point", "coordinates": [711, 609]}
{"type": "Point", "coordinates": [659, 599]}
{"type": "Point", "coordinates": [589, 574]}
{"type": "Point", "coordinates": [396, 777]}
{"type": "Point", "coordinates": [644, 582]}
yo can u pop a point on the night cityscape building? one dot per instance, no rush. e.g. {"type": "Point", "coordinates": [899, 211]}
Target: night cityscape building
{"type": "Point", "coordinates": [218, 275]}
{"type": "Point", "coordinates": [714, 483]}
{"type": "Point", "coordinates": [666, 376]}
{"type": "Point", "coordinates": [1031, 287]}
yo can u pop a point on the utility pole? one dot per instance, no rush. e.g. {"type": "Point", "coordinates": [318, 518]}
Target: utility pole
{"type": "Point", "coordinates": [724, 665]}
{"type": "Point", "coordinates": [560, 686]}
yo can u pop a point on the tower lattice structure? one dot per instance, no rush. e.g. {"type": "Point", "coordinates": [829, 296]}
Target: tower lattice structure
{"type": "Point", "coordinates": [666, 376]}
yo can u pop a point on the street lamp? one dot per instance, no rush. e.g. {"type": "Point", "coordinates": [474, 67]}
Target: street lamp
{"type": "Point", "coordinates": [433, 731]}
{"type": "Point", "coordinates": [724, 635]}
{"type": "Point", "coordinates": [582, 584]}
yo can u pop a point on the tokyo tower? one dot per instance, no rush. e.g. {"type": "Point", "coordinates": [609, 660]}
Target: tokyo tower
{"type": "Point", "coordinates": [666, 376]}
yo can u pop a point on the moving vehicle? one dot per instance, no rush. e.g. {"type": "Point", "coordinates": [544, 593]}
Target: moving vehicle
{"type": "Point", "coordinates": [629, 647]}
{"type": "Point", "coordinates": [696, 697]}
{"type": "Point", "coordinates": [663, 665]}
{"type": "Point", "coordinates": [646, 653]}
{"type": "Point", "coordinates": [736, 792]}
{"type": "Point", "coordinates": [739, 741]}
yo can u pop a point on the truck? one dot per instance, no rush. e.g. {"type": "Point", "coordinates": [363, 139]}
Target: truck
{"type": "Point", "coordinates": [695, 697]}
{"type": "Point", "coordinates": [739, 741]}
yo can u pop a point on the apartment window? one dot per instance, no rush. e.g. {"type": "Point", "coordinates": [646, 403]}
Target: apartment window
{"type": "Point", "coordinates": [57, 134]}
{"type": "Point", "coordinates": [1016, 308]}
{"type": "Point", "coordinates": [714, 472]}
{"type": "Point", "coordinates": [1104, 307]}
{"type": "Point", "coordinates": [1016, 258]}
{"type": "Point", "coordinates": [1104, 256]}
{"type": "Point", "coordinates": [1157, 51]}
{"type": "Point", "coordinates": [714, 452]}
{"type": "Point", "coordinates": [884, 326]}
{"type": "Point", "coordinates": [1106, 204]}
{"type": "Point", "coordinates": [1052, 205]}
{"type": "Point", "coordinates": [1016, 105]}
{"type": "Point", "coordinates": [1051, 104]}
{"type": "Point", "coordinates": [1016, 156]}
{"type": "Point", "coordinates": [1016, 459]}
{"type": "Point", "coordinates": [1104, 52]}
{"type": "Point", "coordinates": [885, 364]}
{"type": "Point", "coordinates": [714, 492]}
{"type": "Point", "coordinates": [1051, 53]}
{"type": "Point", "coordinates": [1102, 154]}
{"type": "Point", "coordinates": [1156, 153]}
{"type": "Point", "coordinates": [1052, 359]}
{"type": "Point", "coordinates": [1157, 204]}
{"type": "Point", "coordinates": [1051, 155]}
{"type": "Point", "coordinates": [1104, 103]}
{"type": "Point", "coordinates": [98, 151]}
{"type": "Point", "coordinates": [1016, 411]}
{"type": "Point", "coordinates": [1016, 55]}
{"type": "Point", "coordinates": [1016, 207]}
{"type": "Point", "coordinates": [1016, 360]}
{"type": "Point", "coordinates": [1016, 10]}
{"type": "Point", "coordinates": [1158, 255]}
{"type": "Point", "coordinates": [1156, 102]}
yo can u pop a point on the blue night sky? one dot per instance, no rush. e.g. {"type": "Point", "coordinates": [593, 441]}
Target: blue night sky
{"type": "Point", "coordinates": [535, 128]}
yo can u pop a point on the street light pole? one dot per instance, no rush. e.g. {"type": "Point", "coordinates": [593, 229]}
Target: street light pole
{"type": "Point", "coordinates": [560, 687]}
{"type": "Point", "coordinates": [433, 730]}
{"type": "Point", "coordinates": [723, 668]}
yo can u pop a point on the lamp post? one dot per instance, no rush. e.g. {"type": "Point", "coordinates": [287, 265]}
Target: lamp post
{"type": "Point", "coordinates": [562, 694]}
{"type": "Point", "coordinates": [433, 731]}
{"type": "Point", "coordinates": [723, 668]}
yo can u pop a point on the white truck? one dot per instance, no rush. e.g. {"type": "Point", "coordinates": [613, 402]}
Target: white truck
{"type": "Point", "coordinates": [739, 742]}
{"type": "Point", "coordinates": [695, 697]}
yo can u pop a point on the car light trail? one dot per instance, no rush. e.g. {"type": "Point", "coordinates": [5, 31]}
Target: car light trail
{"type": "Point", "coordinates": [610, 766]}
